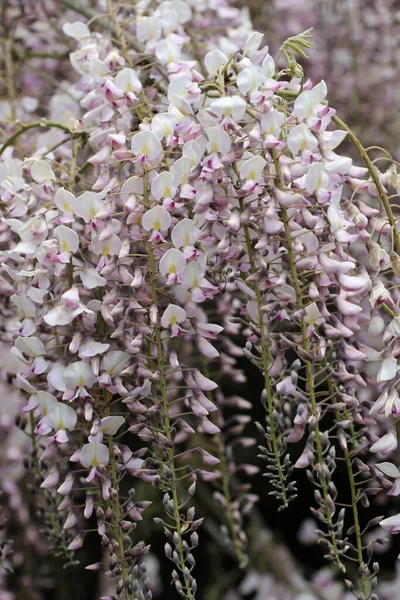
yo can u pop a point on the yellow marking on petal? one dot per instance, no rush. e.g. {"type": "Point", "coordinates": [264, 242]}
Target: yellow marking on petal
{"type": "Point", "coordinates": [65, 247]}
{"type": "Point", "coordinates": [95, 461]}
{"type": "Point", "coordinates": [92, 213]}
{"type": "Point", "coordinates": [105, 251]}
{"type": "Point", "coordinates": [157, 225]}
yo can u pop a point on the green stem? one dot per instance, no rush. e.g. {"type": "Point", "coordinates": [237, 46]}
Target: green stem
{"type": "Point", "coordinates": [353, 491]}
{"type": "Point", "coordinates": [49, 508]}
{"type": "Point", "coordinates": [356, 520]}
{"type": "Point", "coordinates": [265, 365]}
{"type": "Point", "coordinates": [164, 399]}
{"type": "Point", "coordinates": [375, 178]}
{"type": "Point", "coordinates": [118, 32]}
{"type": "Point", "coordinates": [10, 79]}
{"type": "Point", "coordinates": [54, 55]}
{"type": "Point", "coordinates": [27, 127]}
{"type": "Point", "coordinates": [116, 515]}
{"type": "Point", "coordinates": [226, 489]}
{"type": "Point", "coordinates": [71, 185]}
{"type": "Point", "coordinates": [308, 365]}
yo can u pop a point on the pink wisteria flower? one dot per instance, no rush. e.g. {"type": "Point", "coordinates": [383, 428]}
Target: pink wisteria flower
{"type": "Point", "coordinates": [193, 214]}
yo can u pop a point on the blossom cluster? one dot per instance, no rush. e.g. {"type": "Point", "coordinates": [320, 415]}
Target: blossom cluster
{"type": "Point", "coordinates": [356, 51]}
{"type": "Point", "coordinates": [189, 209]}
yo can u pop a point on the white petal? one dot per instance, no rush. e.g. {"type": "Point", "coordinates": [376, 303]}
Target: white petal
{"type": "Point", "coordinates": [181, 104]}
{"type": "Point", "coordinates": [128, 81]}
{"type": "Point", "coordinates": [181, 169]}
{"type": "Point", "coordinates": [304, 106]}
{"type": "Point", "coordinates": [387, 369]}
{"type": "Point", "coordinates": [167, 51]}
{"type": "Point", "coordinates": [79, 374]}
{"type": "Point", "coordinates": [250, 79]}
{"type": "Point", "coordinates": [213, 60]}
{"type": "Point", "coordinates": [94, 454]}
{"type": "Point", "coordinates": [335, 218]}
{"type": "Point", "coordinates": [91, 278]}
{"type": "Point", "coordinates": [376, 326]}
{"type": "Point", "coordinates": [91, 348]}
{"type": "Point", "coordinates": [336, 138]}
{"type": "Point", "coordinates": [61, 416]}
{"type": "Point", "coordinates": [31, 346]}
{"type": "Point", "coordinates": [388, 469]}
{"type": "Point", "coordinates": [162, 186]}
{"type": "Point", "coordinates": [206, 348]}
{"type": "Point", "coordinates": [109, 247]}
{"type": "Point", "coordinates": [205, 384]}
{"type": "Point", "coordinates": [87, 205]}
{"type": "Point", "coordinates": [181, 8]}
{"type": "Point", "coordinates": [192, 275]}
{"type": "Point", "coordinates": [316, 178]}
{"type": "Point", "coordinates": [110, 425]}
{"type": "Point", "coordinates": [194, 149]}
{"type": "Point", "coordinates": [25, 306]}
{"type": "Point", "coordinates": [59, 315]}
{"type": "Point", "coordinates": [253, 168]}
{"type": "Point", "coordinates": [300, 138]}
{"type": "Point", "coordinates": [64, 200]}
{"type": "Point", "coordinates": [220, 140]}
{"type": "Point", "coordinates": [146, 143]}
{"type": "Point", "coordinates": [268, 66]}
{"type": "Point", "coordinates": [56, 377]}
{"type": "Point", "coordinates": [148, 28]}
{"type": "Point", "coordinates": [78, 30]}
{"type": "Point", "coordinates": [391, 524]}
{"type": "Point", "coordinates": [386, 443]}
{"type": "Point", "coordinates": [271, 122]}
{"type": "Point", "coordinates": [46, 401]}
{"type": "Point", "coordinates": [164, 124]}
{"type": "Point", "coordinates": [67, 239]}
{"type": "Point", "coordinates": [229, 106]}
{"type": "Point", "coordinates": [172, 262]}
{"type": "Point", "coordinates": [132, 187]}
{"type": "Point", "coordinates": [253, 42]}
{"type": "Point", "coordinates": [172, 315]}
{"type": "Point", "coordinates": [156, 218]}
{"type": "Point", "coordinates": [41, 171]}
{"type": "Point", "coordinates": [114, 362]}
{"type": "Point", "coordinates": [319, 91]}
{"type": "Point", "coordinates": [185, 233]}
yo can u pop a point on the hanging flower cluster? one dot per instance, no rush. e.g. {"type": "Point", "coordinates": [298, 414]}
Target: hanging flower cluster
{"type": "Point", "coordinates": [355, 49]}
{"type": "Point", "coordinates": [193, 210]}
